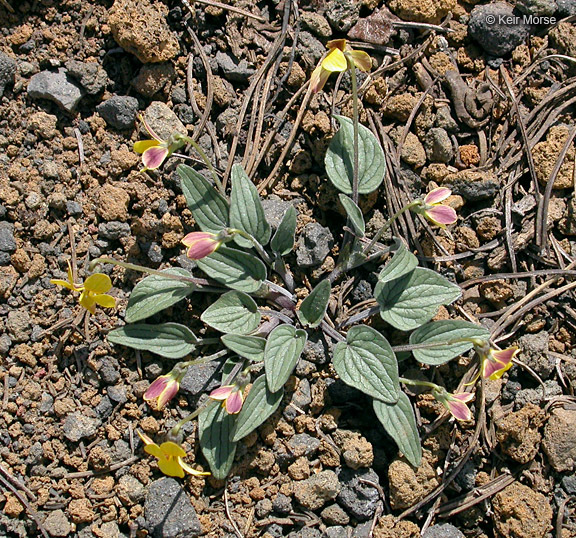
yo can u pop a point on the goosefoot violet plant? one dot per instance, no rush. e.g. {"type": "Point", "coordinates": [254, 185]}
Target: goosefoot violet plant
{"type": "Point", "coordinates": [263, 327]}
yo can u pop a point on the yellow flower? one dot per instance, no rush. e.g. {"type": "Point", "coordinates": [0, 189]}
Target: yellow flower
{"type": "Point", "coordinates": [169, 456]}
{"type": "Point", "coordinates": [336, 61]}
{"type": "Point", "coordinates": [92, 292]}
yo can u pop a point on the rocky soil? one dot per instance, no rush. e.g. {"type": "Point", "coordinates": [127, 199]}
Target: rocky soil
{"type": "Point", "coordinates": [484, 108]}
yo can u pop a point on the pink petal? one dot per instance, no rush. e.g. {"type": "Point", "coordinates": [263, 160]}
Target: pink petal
{"type": "Point", "coordinates": [192, 237]}
{"type": "Point", "coordinates": [157, 387]}
{"type": "Point", "coordinates": [234, 402]}
{"type": "Point", "coordinates": [441, 215]}
{"type": "Point", "coordinates": [222, 393]}
{"type": "Point", "coordinates": [318, 79]}
{"type": "Point", "coordinates": [153, 157]}
{"type": "Point", "coordinates": [169, 393]}
{"type": "Point", "coordinates": [463, 396]}
{"type": "Point", "coordinates": [436, 196]}
{"type": "Point", "coordinates": [459, 410]}
{"type": "Point", "coordinates": [490, 368]}
{"type": "Point", "coordinates": [504, 356]}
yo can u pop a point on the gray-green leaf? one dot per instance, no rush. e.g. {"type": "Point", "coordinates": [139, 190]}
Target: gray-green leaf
{"type": "Point", "coordinates": [209, 207]}
{"type": "Point", "coordinates": [215, 426]}
{"type": "Point", "coordinates": [366, 361]}
{"type": "Point", "coordinates": [282, 351]}
{"type": "Point", "coordinates": [402, 263]}
{"type": "Point", "coordinates": [235, 269]}
{"type": "Point", "coordinates": [234, 312]}
{"type": "Point", "coordinates": [313, 308]}
{"type": "Point", "coordinates": [339, 159]}
{"type": "Point", "coordinates": [246, 211]}
{"type": "Point", "coordinates": [283, 240]}
{"type": "Point", "coordinates": [446, 340]}
{"type": "Point", "coordinates": [354, 214]}
{"type": "Point", "coordinates": [155, 293]}
{"type": "Point", "coordinates": [258, 406]}
{"type": "Point", "coordinates": [413, 299]}
{"type": "Point", "coordinates": [249, 347]}
{"type": "Point", "coordinates": [170, 340]}
{"type": "Point", "coordinates": [400, 423]}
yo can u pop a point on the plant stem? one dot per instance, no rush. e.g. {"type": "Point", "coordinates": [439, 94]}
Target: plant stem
{"type": "Point", "coordinates": [200, 152]}
{"type": "Point", "coordinates": [419, 383]}
{"type": "Point", "coordinates": [259, 248]}
{"type": "Point", "coordinates": [355, 120]}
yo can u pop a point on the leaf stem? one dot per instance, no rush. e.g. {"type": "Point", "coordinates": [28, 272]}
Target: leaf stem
{"type": "Point", "coordinates": [204, 157]}
{"type": "Point", "coordinates": [387, 225]}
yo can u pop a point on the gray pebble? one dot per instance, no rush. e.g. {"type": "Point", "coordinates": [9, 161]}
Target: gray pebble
{"type": "Point", "coordinates": [57, 524]}
{"type": "Point", "coordinates": [80, 426]}
{"type": "Point", "coordinates": [119, 111]}
{"type": "Point", "coordinates": [168, 511]}
{"type": "Point", "coordinates": [91, 76]}
{"type": "Point", "coordinates": [342, 14]}
{"type": "Point", "coordinates": [104, 408]}
{"type": "Point", "coordinates": [117, 393]}
{"type": "Point", "coordinates": [202, 378]}
{"type": "Point", "coordinates": [336, 532]}
{"type": "Point", "coordinates": [56, 87]}
{"type": "Point", "coordinates": [566, 8]}
{"type": "Point", "coordinates": [282, 504]}
{"type": "Point", "coordinates": [7, 71]}
{"type": "Point", "coordinates": [357, 498]}
{"type": "Point", "coordinates": [109, 371]}
{"type": "Point", "coordinates": [274, 209]}
{"type": "Point", "coordinates": [446, 530]}
{"type": "Point", "coordinates": [235, 72]}
{"type": "Point", "coordinates": [301, 399]}
{"type": "Point", "coordinates": [114, 230]}
{"type": "Point", "coordinates": [314, 245]}
{"type": "Point", "coordinates": [540, 8]}
{"type": "Point", "coordinates": [438, 146]}
{"type": "Point", "coordinates": [73, 208]}
{"type": "Point", "coordinates": [496, 36]}
{"type": "Point", "coordinates": [303, 444]}
{"type": "Point", "coordinates": [7, 241]}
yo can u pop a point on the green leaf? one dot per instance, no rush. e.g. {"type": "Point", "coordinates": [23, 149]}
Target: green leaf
{"type": "Point", "coordinates": [366, 361]}
{"type": "Point", "coordinates": [155, 293]}
{"type": "Point", "coordinates": [339, 159]}
{"type": "Point", "coordinates": [170, 340]}
{"type": "Point", "coordinates": [258, 406]}
{"type": "Point", "coordinates": [209, 207]}
{"type": "Point", "coordinates": [400, 423]}
{"type": "Point", "coordinates": [215, 426]}
{"type": "Point", "coordinates": [313, 308]}
{"type": "Point", "coordinates": [234, 312]}
{"type": "Point", "coordinates": [249, 347]}
{"type": "Point", "coordinates": [444, 337]}
{"type": "Point", "coordinates": [402, 263]}
{"type": "Point", "coordinates": [354, 214]}
{"type": "Point", "coordinates": [283, 240]}
{"type": "Point", "coordinates": [246, 211]}
{"type": "Point", "coordinates": [235, 269]}
{"type": "Point", "coordinates": [230, 365]}
{"type": "Point", "coordinates": [282, 351]}
{"type": "Point", "coordinates": [413, 299]}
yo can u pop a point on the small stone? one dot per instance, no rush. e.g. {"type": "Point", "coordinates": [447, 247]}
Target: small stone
{"type": "Point", "coordinates": [80, 426]}
{"type": "Point", "coordinates": [521, 512]}
{"type": "Point", "coordinates": [303, 444]}
{"type": "Point", "coordinates": [109, 371]}
{"type": "Point", "coordinates": [7, 71]}
{"type": "Point", "coordinates": [235, 72]}
{"type": "Point", "coordinates": [141, 28]}
{"type": "Point", "coordinates": [446, 530]}
{"type": "Point", "coordinates": [130, 490]}
{"type": "Point", "coordinates": [168, 511]}
{"type": "Point", "coordinates": [534, 350]}
{"type": "Point", "coordinates": [317, 24]}
{"type": "Point", "coordinates": [560, 439]}
{"type": "Point", "coordinates": [334, 515]}
{"type": "Point", "coordinates": [119, 111]}
{"type": "Point", "coordinates": [282, 504]}
{"type": "Point", "coordinates": [518, 435]}
{"type": "Point", "coordinates": [18, 325]}
{"type": "Point", "coordinates": [301, 399]}
{"type": "Point", "coordinates": [7, 241]}
{"type": "Point", "coordinates": [154, 77]}
{"type": "Point", "coordinates": [263, 508]}
{"type": "Point", "coordinates": [91, 76]}
{"type": "Point", "coordinates": [202, 378]}
{"type": "Point", "coordinates": [314, 245]}
{"type": "Point", "coordinates": [356, 497]}
{"type": "Point", "coordinates": [413, 152]}
{"type": "Point", "coordinates": [488, 26]}
{"type": "Point", "coordinates": [114, 230]}
{"type": "Point", "coordinates": [117, 393]}
{"type": "Point", "coordinates": [314, 492]}
{"type": "Point", "coordinates": [336, 532]}
{"type": "Point", "coordinates": [473, 185]}
{"type": "Point", "coordinates": [431, 11]}
{"type": "Point", "coordinates": [274, 210]}
{"type": "Point", "coordinates": [73, 208]}
{"type": "Point", "coordinates": [80, 511]}
{"type": "Point", "coordinates": [162, 120]}
{"type": "Point", "coordinates": [356, 450]}
{"type": "Point", "coordinates": [445, 120]}
{"type": "Point", "coordinates": [438, 145]}
{"type": "Point", "coordinates": [342, 14]}
{"type": "Point", "coordinates": [546, 154]}
{"type": "Point", "coordinates": [566, 8]}
{"type": "Point", "coordinates": [409, 485]}
{"type": "Point", "coordinates": [57, 524]}
{"type": "Point", "coordinates": [112, 203]}
{"type": "Point", "coordinates": [540, 8]}
{"type": "Point", "coordinates": [56, 87]}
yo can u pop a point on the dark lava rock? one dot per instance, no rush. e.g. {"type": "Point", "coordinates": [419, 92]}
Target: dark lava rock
{"type": "Point", "coordinates": [119, 111]}
{"type": "Point", "coordinates": [7, 71]}
{"type": "Point", "coordinates": [306, 532]}
{"type": "Point", "coordinates": [73, 208]}
{"type": "Point", "coordinates": [303, 444]}
{"type": "Point", "coordinates": [274, 209]}
{"type": "Point", "coordinates": [446, 530]}
{"type": "Point", "coordinates": [91, 76]}
{"type": "Point", "coordinates": [109, 371]}
{"type": "Point", "coordinates": [498, 27]}
{"type": "Point", "coordinates": [235, 72]}
{"type": "Point", "coordinates": [316, 350]}
{"type": "Point", "coordinates": [343, 14]}
{"type": "Point", "coordinates": [202, 378]}
{"type": "Point", "coordinates": [314, 245]}
{"type": "Point", "coordinates": [301, 399]}
{"type": "Point", "coordinates": [282, 504]}
{"type": "Point", "coordinates": [168, 512]}
{"type": "Point", "coordinates": [362, 291]}
{"type": "Point", "coordinates": [336, 532]}
{"type": "Point", "coordinates": [114, 230]}
{"type": "Point", "coordinates": [56, 87]}
{"type": "Point", "coordinates": [569, 484]}
{"type": "Point", "coordinates": [357, 498]}
{"type": "Point", "coordinates": [566, 8]}
{"type": "Point", "coordinates": [7, 241]}
{"type": "Point", "coordinates": [79, 426]}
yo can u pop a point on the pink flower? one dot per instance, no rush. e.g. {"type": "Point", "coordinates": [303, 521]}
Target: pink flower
{"type": "Point", "coordinates": [432, 208]}
{"type": "Point", "coordinates": [455, 403]}
{"type": "Point", "coordinates": [231, 397]}
{"type": "Point", "coordinates": [156, 151]}
{"type": "Point", "coordinates": [162, 390]}
{"type": "Point", "coordinates": [201, 244]}
{"type": "Point", "coordinates": [497, 361]}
